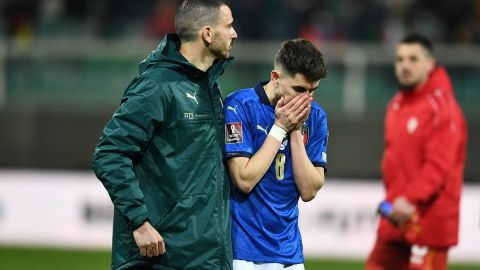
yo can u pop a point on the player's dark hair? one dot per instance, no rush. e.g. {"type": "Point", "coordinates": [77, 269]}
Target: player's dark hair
{"type": "Point", "coordinates": [301, 56]}
{"type": "Point", "coordinates": [192, 15]}
{"type": "Point", "coordinates": [419, 39]}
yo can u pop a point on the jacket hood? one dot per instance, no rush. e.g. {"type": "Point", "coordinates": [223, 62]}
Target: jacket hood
{"type": "Point", "coordinates": [439, 78]}
{"type": "Point", "coordinates": [167, 55]}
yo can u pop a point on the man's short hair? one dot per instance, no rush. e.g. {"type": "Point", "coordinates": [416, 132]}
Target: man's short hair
{"type": "Point", "coordinates": [419, 39]}
{"type": "Point", "coordinates": [192, 15]}
{"type": "Point", "coordinates": [301, 56]}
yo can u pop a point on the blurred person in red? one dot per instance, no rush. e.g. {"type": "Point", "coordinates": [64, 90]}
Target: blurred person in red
{"type": "Point", "coordinates": [162, 19]}
{"type": "Point", "coordinates": [422, 166]}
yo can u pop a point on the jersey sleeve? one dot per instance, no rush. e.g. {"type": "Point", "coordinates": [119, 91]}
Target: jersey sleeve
{"type": "Point", "coordinates": [238, 132]}
{"type": "Point", "coordinates": [317, 145]}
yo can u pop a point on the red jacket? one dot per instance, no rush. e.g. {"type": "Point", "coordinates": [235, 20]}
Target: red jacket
{"type": "Point", "coordinates": [424, 157]}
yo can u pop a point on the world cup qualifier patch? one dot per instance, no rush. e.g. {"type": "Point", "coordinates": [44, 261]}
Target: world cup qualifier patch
{"type": "Point", "coordinates": [233, 133]}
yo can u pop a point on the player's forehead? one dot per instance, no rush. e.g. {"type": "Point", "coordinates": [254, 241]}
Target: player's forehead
{"type": "Point", "coordinates": [226, 15]}
{"type": "Point", "coordinates": [301, 81]}
{"type": "Point", "coordinates": [410, 49]}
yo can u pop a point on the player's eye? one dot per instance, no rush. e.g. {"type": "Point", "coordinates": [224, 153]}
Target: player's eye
{"type": "Point", "coordinates": [299, 89]}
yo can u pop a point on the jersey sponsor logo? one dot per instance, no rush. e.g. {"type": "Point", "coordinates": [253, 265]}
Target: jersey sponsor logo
{"type": "Point", "coordinates": [233, 133]}
{"type": "Point", "coordinates": [194, 96]}
{"type": "Point", "coordinates": [412, 125]}
{"type": "Point", "coordinates": [189, 115]}
{"type": "Point", "coordinates": [234, 109]}
{"type": "Point", "coordinates": [324, 157]}
{"type": "Point", "coordinates": [193, 116]}
{"type": "Point", "coordinates": [305, 134]}
{"type": "Point", "coordinates": [262, 129]}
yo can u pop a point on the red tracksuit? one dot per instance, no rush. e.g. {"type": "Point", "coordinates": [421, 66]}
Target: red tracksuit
{"type": "Point", "coordinates": [423, 160]}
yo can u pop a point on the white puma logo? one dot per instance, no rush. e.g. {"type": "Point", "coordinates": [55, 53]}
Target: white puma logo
{"type": "Point", "coordinates": [262, 129]}
{"type": "Point", "coordinates": [232, 109]}
{"type": "Point", "coordinates": [193, 97]}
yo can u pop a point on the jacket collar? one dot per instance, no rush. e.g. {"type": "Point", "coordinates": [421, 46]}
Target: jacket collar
{"type": "Point", "coordinates": [167, 54]}
{"type": "Point", "coordinates": [260, 91]}
{"type": "Point", "coordinates": [437, 79]}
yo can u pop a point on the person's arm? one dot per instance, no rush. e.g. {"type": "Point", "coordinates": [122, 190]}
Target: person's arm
{"type": "Point", "coordinates": [246, 172]}
{"type": "Point", "coordinates": [308, 178]}
{"type": "Point", "coordinates": [122, 143]}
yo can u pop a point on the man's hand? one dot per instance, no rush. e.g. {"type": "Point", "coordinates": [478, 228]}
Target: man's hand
{"type": "Point", "coordinates": [307, 113]}
{"type": "Point", "coordinates": [149, 240]}
{"type": "Point", "coordinates": [292, 114]}
{"type": "Point", "coordinates": [402, 211]}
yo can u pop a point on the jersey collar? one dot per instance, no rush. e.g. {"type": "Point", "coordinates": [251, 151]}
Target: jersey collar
{"type": "Point", "coordinates": [260, 91]}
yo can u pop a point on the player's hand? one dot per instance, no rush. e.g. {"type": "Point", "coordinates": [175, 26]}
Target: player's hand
{"type": "Point", "coordinates": [289, 115]}
{"type": "Point", "coordinates": [149, 240]}
{"type": "Point", "coordinates": [402, 211]}
{"type": "Point", "coordinates": [306, 113]}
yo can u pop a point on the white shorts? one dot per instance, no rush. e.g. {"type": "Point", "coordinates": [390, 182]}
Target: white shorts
{"type": "Point", "coordinates": [246, 265]}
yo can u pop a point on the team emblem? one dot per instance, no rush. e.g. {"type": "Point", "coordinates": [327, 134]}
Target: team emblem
{"type": "Point", "coordinates": [418, 255]}
{"type": "Point", "coordinates": [305, 134]}
{"type": "Point", "coordinates": [412, 125]}
{"type": "Point", "coordinates": [233, 133]}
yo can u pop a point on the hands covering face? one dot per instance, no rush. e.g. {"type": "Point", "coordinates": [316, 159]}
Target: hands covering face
{"type": "Point", "coordinates": [291, 115]}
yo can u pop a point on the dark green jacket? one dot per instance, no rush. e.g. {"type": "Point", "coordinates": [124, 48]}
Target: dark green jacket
{"type": "Point", "coordinates": [160, 158]}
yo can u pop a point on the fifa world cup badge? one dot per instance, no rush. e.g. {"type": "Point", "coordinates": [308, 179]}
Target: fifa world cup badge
{"type": "Point", "coordinates": [233, 133]}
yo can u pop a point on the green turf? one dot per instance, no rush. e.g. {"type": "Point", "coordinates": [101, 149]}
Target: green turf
{"type": "Point", "coordinates": [55, 259]}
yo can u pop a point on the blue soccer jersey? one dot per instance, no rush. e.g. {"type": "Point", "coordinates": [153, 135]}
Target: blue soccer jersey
{"type": "Point", "coordinates": [265, 222]}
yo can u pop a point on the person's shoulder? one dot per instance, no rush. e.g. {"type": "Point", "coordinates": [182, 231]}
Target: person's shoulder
{"type": "Point", "coordinates": [438, 100]}
{"type": "Point", "coordinates": [162, 75]}
{"type": "Point", "coordinates": [440, 103]}
{"type": "Point", "coordinates": [317, 110]}
{"type": "Point", "coordinates": [141, 86]}
{"type": "Point", "coordinates": [242, 96]}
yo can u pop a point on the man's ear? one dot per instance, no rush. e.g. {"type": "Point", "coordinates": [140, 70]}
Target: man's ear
{"type": "Point", "coordinates": [207, 34]}
{"type": "Point", "coordinates": [275, 77]}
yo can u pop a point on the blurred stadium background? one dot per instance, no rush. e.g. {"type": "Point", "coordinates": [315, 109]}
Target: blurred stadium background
{"type": "Point", "coordinates": [64, 65]}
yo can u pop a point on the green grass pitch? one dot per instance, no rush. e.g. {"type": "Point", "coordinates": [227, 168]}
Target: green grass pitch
{"type": "Point", "coordinates": [56, 259]}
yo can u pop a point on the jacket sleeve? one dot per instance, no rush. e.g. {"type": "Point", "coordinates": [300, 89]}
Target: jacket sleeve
{"type": "Point", "coordinates": [122, 145]}
{"type": "Point", "coordinates": [438, 153]}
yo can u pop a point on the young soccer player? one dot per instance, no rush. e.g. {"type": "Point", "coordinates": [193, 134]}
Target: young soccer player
{"type": "Point", "coordinates": [276, 143]}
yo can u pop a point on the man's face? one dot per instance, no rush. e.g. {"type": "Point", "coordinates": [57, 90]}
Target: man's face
{"type": "Point", "coordinates": [223, 34]}
{"type": "Point", "coordinates": [412, 65]}
{"type": "Point", "coordinates": [292, 86]}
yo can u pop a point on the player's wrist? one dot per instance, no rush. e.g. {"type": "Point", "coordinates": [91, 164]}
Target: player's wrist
{"type": "Point", "coordinates": [281, 125]}
{"type": "Point", "coordinates": [298, 127]}
{"type": "Point", "coordinates": [278, 132]}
